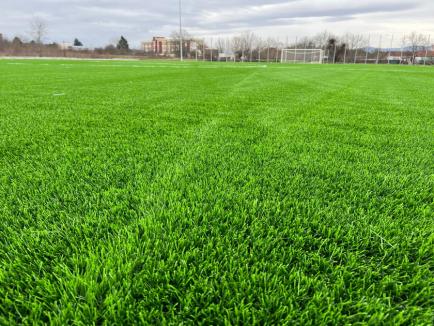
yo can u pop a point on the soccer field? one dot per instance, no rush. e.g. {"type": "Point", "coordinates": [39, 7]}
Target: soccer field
{"type": "Point", "coordinates": [218, 193]}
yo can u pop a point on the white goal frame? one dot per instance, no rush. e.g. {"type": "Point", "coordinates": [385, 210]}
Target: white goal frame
{"type": "Point", "coordinates": [302, 56]}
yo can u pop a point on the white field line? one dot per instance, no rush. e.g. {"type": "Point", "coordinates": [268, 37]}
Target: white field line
{"type": "Point", "coordinates": [209, 66]}
{"type": "Point", "coordinates": [177, 66]}
{"type": "Point", "coordinates": [391, 70]}
{"type": "Point", "coordinates": [68, 59]}
{"type": "Point", "coordinates": [361, 70]}
{"type": "Point", "coordinates": [104, 60]}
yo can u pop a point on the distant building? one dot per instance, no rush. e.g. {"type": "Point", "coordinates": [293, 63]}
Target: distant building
{"type": "Point", "coordinates": [163, 46]}
{"type": "Point", "coordinates": [70, 46]}
{"type": "Point", "coordinates": [406, 57]}
{"type": "Point", "coordinates": [160, 46]}
{"type": "Point", "coordinates": [65, 46]}
{"type": "Point", "coordinates": [423, 57]}
{"type": "Point", "coordinates": [395, 58]}
{"type": "Point", "coordinates": [223, 56]}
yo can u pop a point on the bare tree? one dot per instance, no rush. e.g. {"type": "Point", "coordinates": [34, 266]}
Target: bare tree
{"type": "Point", "coordinates": [229, 47]}
{"type": "Point", "coordinates": [38, 30]}
{"type": "Point", "coordinates": [260, 45]}
{"type": "Point", "coordinates": [3, 42]}
{"type": "Point", "coordinates": [415, 42]}
{"type": "Point", "coordinates": [321, 39]}
{"type": "Point", "coordinates": [278, 46]}
{"type": "Point", "coordinates": [269, 43]}
{"type": "Point", "coordinates": [236, 46]}
{"type": "Point", "coordinates": [353, 44]}
{"type": "Point", "coordinates": [176, 40]}
{"type": "Point", "coordinates": [247, 40]}
{"type": "Point", "coordinates": [243, 44]}
{"type": "Point", "coordinates": [175, 35]}
{"type": "Point", "coordinates": [357, 41]}
{"type": "Point", "coordinates": [221, 45]}
{"type": "Point", "coordinates": [305, 43]}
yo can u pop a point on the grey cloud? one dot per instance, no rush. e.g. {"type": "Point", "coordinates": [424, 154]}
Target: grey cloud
{"type": "Point", "coordinates": [96, 22]}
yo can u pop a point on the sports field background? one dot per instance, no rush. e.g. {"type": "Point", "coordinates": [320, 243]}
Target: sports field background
{"type": "Point", "coordinates": [154, 192]}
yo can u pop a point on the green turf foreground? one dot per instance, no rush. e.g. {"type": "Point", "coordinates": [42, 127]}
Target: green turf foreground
{"type": "Point", "coordinates": [168, 193]}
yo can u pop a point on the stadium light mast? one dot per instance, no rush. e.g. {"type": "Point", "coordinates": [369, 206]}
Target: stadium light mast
{"type": "Point", "coordinates": [180, 31]}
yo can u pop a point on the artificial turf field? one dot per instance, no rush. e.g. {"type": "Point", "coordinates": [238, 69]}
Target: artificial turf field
{"type": "Point", "coordinates": [155, 192]}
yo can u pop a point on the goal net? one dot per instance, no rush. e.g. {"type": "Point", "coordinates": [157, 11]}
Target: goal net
{"type": "Point", "coordinates": [302, 56]}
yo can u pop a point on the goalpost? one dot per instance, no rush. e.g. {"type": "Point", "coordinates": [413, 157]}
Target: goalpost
{"type": "Point", "coordinates": [302, 56]}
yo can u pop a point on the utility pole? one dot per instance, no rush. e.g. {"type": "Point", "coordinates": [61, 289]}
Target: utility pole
{"type": "Point", "coordinates": [180, 32]}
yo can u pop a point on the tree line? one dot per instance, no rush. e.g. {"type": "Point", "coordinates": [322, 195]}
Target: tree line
{"type": "Point", "coordinates": [346, 48]}
{"type": "Point", "coordinates": [35, 45]}
{"type": "Point", "coordinates": [246, 46]}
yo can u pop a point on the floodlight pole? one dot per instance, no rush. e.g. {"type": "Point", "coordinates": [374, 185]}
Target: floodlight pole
{"type": "Point", "coordinates": [180, 32]}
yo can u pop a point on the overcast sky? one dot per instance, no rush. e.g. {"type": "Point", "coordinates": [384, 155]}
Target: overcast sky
{"type": "Point", "coordinates": [99, 22]}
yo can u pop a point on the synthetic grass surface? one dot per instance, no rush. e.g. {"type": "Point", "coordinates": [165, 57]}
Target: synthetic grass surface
{"type": "Point", "coordinates": [158, 192]}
